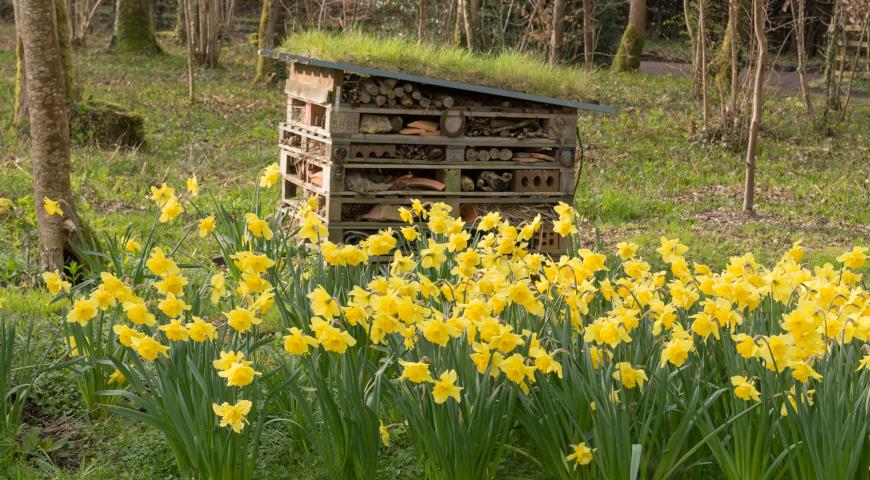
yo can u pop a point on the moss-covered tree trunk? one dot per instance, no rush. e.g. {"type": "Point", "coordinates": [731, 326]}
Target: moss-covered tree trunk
{"type": "Point", "coordinates": [64, 40]}
{"type": "Point", "coordinates": [21, 113]}
{"type": "Point", "coordinates": [180, 22]}
{"type": "Point", "coordinates": [71, 89]}
{"type": "Point", "coordinates": [724, 63]}
{"type": "Point", "coordinates": [628, 56]}
{"type": "Point", "coordinates": [49, 126]}
{"type": "Point", "coordinates": [266, 40]}
{"type": "Point", "coordinates": [134, 31]}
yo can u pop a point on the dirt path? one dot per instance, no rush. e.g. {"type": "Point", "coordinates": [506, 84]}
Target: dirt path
{"type": "Point", "coordinates": [783, 81]}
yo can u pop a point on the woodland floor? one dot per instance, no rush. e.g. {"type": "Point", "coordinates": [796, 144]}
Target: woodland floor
{"type": "Point", "coordinates": [648, 171]}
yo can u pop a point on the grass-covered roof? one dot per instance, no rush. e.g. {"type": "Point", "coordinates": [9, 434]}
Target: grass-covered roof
{"type": "Point", "coordinates": [507, 70]}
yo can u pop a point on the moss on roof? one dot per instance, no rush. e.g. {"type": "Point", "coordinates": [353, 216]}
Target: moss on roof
{"type": "Point", "coordinates": [508, 70]}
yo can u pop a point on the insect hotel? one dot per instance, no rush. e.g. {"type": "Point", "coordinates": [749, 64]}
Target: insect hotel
{"type": "Point", "coordinates": [366, 141]}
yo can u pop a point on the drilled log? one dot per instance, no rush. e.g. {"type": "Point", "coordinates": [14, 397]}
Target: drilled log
{"type": "Point", "coordinates": [396, 122]}
{"type": "Point", "coordinates": [370, 87]}
{"type": "Point", "coordinates": [446, 101]}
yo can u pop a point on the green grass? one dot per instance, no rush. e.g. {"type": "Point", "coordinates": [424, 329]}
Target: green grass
{"type": "Point", "coordinates": [509, 70]}
{"type": "Point", "coordinates": [645, 174]}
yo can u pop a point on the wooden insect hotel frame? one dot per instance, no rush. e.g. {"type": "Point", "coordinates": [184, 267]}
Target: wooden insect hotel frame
{"type": "Point", "coordinates": [366, 141]}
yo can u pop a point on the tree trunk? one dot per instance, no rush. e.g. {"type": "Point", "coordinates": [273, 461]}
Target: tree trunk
{"type": "Point", "coordinates": [759, 18]}
{"type": "Point", "coordinates": [421, 21]}
{"type": "Point", "coordinates": [181, 21]}
{"type": "Point", "coordinates": [628, 56]}
{"type": "Point", "coordinates": [832, 87]}
{"type": "Point", "coordinates": [457, 20]}
{"type": "Point", "coordinates": [21, 113]}
{"type": "Point", "coordinates": [81, 13]}
{"type": "Point", "coordinates": [799, 16]}
{"type": "Point", "coordinates": [587, 33]}
{"type": "Point", "coordinates": [702, 48]}
{"type": "Point", "coordinates": [206, 28]}
{"type": "Point", "coordinates": [556, 33]}
{"type": "Point", "coordinates": [469, 15]}
{"type": "Point", "coordinates": [48, 125]}
{"type": "Point", "coordinates": [134, 31]}
{"type": "Point", "coordinates": [266, 40]}
{"type": "Point", "coordinates": [733, 12]}
{"type": "Point", "coordinates": [73, 93]}
{"type": "Point", "coordinates": [191, 81]}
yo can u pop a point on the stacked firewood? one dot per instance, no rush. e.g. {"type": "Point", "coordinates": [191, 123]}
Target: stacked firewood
{"type": "Point", "coordinates": [486, 154]}
{"type": "Point", "coordinates": [486, 181]}
{"type": "Point", "coordinates": [389, 92]}
{"type": "Point", "coordinates": [504, 127]}
{"type": "Point", "coordinates": [420, 152]}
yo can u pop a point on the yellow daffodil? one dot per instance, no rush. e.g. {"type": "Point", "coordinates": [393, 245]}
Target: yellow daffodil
{"type": "Point", "coordinates": [580, 454]}
{"type": "Point", "coordinates": [82, 312]}
{"type": "Point", "coordinates": [242, 319]}
{"type": "Point", "coordinates": [172, 306]}
{"type": "Point", "coordinates": [854, 259]}
{"type": "Point", "coordinates": [297, 343]}
{"type": "Point", "coordinates": [159, 264]}
{"type": "Point", "coordinates": [233, 416]}
{"type": "Point", "coordinates": [270, 176]}
{"type": "Point", "coordinates": [137, 312]}
{"type": "Point", "coordinates": [175, 330]}
{"type": "Point", "coordinates": [445, 387]}
{"type": "Point", "coordinates": [239, 374]}
{"type": "Point", "coordinates": [160, 195]}
{"type": "Point", "coordinates": [384, 433]}
{"type": "Point", "coordinates": [116, 377]}
{"type": "Point", "coordinates": [257, 226]}
{"type": "Point", "coordinates": [170, 210]}
{"type": "Point", "coordinates": [802, 371]}
{"type": "Point", "coordinates": [51, 207]}
{"type": "Point", "coordinates": [331, 338]}
{"type": "Point", "coordinates": [322, 303]}
{"type": "Point", "coordinates": [132, 246]}
{"type": "Point", "coordinates": [55, 283]}
{"type": "Point", "coordinates": [199, 330]}
{"type": "Point", "coordinates": [206, 226]}
{"type": "Point", "coordinates": [148, 348]}
{"type": "Point", "coordinates": [192, 185]}
{"type": "Point", "coordinates": [744, 388]}
{"type": "Point", "coordinates": [416, 372]}
{"type": "Point", "coordinates": [629, 376]}
{"type": "Point", "coordinates": [126, 334]}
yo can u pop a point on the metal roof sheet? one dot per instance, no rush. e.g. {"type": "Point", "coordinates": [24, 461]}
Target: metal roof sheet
{"type": "Point", "coordinates": [349, 67]}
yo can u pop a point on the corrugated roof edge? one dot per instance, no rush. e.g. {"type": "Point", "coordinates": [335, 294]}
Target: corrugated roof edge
{"type": "Point", "coordinates": [349, 67]}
